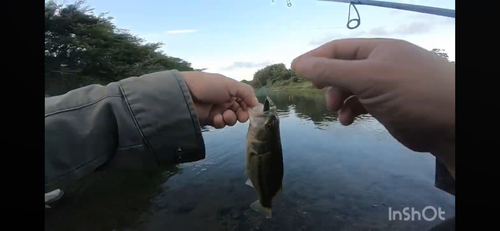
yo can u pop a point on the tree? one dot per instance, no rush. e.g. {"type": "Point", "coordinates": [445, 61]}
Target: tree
{"type": "Point", "coordinates": [441, 53]}
{"type": "Point", "coordinates": [276, 75]}
{"type": "Point", "coordinates": [82, 48]}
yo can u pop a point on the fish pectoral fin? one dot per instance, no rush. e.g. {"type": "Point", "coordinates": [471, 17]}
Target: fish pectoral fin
{"type": "Point", "coordinates": [261, 209]}
{"type": "Point", "coordinates": [249, 183]}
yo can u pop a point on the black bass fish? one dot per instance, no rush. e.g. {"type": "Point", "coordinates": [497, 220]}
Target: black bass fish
{"type": "Point", "coordinates": [264, 156]}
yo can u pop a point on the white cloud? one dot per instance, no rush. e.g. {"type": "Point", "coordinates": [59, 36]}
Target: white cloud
{"type": "Point", "coordinates": [244, 66]}
{"type": "Point", "coordinates": [413, 28]}
{"type": "Point", "coordinates": [439, 41]}
{"type": "Point", "coordinates": [251, 64]}
{"type": "Point", "coordinates": [326, 38]}
{"type": "Point", "coordinates": [180, 31]}
{"type": "Point", "coordinates": [426, 31]}
{"type": "Point", "coordinates": [221, 67]}
{"type": "Point", "coordinates": [378, 31]}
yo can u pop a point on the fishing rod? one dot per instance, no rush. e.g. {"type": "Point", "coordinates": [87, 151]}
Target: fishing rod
{"type": "Point", "coordinates": [400, 6]}
{"type": "Point", "coordinates": [393, 5]}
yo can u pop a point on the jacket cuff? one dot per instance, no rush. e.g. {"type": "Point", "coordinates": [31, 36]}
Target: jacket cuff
{"type": "Point", "coordinates": [164, 113]}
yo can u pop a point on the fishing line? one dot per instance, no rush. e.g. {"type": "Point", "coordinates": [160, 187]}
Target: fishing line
{"type": "Point", "coordinates": [262, 86]}
{"type": "Point", "coordinates": [288, 3]}
{"type": "Point", "coordinates": [349, 20]}
{"type": "Point", "coordinates": [267, 95]}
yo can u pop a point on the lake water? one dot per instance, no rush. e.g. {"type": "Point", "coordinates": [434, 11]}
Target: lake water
{"type": "Point", "coordinates": [336, 178]}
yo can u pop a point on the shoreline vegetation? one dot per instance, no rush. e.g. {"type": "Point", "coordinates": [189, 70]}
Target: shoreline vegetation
{"type": "Point", "coordinates": [276, 78]}
{"type": "Point", "coordinates": [82, 48]}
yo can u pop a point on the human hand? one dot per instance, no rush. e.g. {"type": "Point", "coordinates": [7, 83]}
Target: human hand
{"type": "Point", "coordinates": [219, 100]}
{"type": "Point", "coordinates": [410, 90]}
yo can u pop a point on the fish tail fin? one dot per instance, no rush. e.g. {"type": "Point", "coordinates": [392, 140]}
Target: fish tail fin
{"type": "Point", "coordinates": [261, 209]}
{"type": "Point", "coordinates": [249, 183]}
{"type": "Point", "coordinates": [278, 195]}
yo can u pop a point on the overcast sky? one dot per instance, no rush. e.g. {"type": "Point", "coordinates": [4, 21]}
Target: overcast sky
{"type": "Point", "coordinates": [238, 37]}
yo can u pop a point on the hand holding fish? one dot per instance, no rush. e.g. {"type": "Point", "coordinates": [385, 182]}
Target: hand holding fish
{"type": "Point", "coordinates": [410, 90]}
{"type": "Point", "coordinates": [219, 100]}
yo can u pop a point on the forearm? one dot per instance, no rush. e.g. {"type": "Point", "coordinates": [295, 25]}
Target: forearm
{"type": "Point", "coordinates": [144, 120]}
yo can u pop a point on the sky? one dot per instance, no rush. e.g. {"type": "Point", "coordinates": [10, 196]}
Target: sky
{"type": "Point", "coordinates": [238, 37]}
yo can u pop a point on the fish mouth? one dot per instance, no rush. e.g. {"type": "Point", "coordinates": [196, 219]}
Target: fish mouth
{"type": "Point", "coordinates": [268, 103]}
{"type": "Point", "coordinates": [262, 110]}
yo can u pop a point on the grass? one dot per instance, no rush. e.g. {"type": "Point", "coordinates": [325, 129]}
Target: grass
{"type": "Point", "coordinates": [295, 88]}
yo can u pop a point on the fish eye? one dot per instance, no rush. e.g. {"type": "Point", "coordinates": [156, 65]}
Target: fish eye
{"type": "Point", "coordinates": [270, 124]}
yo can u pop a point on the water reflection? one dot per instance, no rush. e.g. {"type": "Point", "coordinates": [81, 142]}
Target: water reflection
{"type": "Point", "coordinates": [336, 178]}
{"type": "Point", "coordinates": [107, 199]}
{"type": "Point", "coordinates": [310, 106]}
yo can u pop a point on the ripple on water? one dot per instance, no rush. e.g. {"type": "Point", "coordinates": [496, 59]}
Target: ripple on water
{"type": "Point", "coordinates": [336, 178]}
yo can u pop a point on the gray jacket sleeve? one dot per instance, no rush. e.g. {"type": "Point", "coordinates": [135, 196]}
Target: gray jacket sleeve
{"type": "Point", "coordinates": [138, 122]}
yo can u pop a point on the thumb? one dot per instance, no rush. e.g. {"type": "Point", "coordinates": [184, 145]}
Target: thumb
{"type": "Point", "coordinates": [350, 75]}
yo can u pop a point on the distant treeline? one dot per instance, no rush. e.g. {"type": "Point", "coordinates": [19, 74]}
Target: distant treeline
{"type": "Point", "coordinates": [275, 75]}
{"type": "Point", "coordinates": [82, 48]}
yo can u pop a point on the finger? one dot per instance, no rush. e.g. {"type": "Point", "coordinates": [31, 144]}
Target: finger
{"type": "Point", "coordinates": [339, 51]}
{"type": "Point", "coordinates": [241, 104]}
{"type": "Point", "coordinates": [229, 117]}
{"type": "Point", "coordinates": [348, 75]}
{"type": "Point", "coordinates": [350, 109]}
{"type": "Point", "coordinates": [219, 121]}
{"type": "Point", "coordinates": [215, 118]}
{"type": "Point", "coordinates": [344, 49]}
{"type": "Point", "coordinates": [355, 106]}
{"type": "Point", "coordinates": [234, 106]}
{"type": "Point", "coordinates": [216, 88]}
{"type": "Point", "coordinates": [243, 91]}
{"type": "Point", "coordinates": [231, 100]}
{"type": "Point", "coordinates": [318, 85]}
{"type": "Point", "coordinates": [345, 116]}
{"type": "Point", "coordinates": [335, 98]}
{"type": "Point", "coordinates": [241, 114]}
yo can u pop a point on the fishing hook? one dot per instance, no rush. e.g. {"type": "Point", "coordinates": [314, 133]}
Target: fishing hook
{"type": "Point", "coordinates": [349, 20]}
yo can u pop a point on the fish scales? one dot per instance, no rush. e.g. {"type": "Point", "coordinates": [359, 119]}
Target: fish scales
{"type": "Point", "coordinates": [264, 158]}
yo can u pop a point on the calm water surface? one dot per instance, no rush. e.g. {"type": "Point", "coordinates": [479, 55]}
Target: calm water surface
{"type": "Point", "coordinates": [336, 178]}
